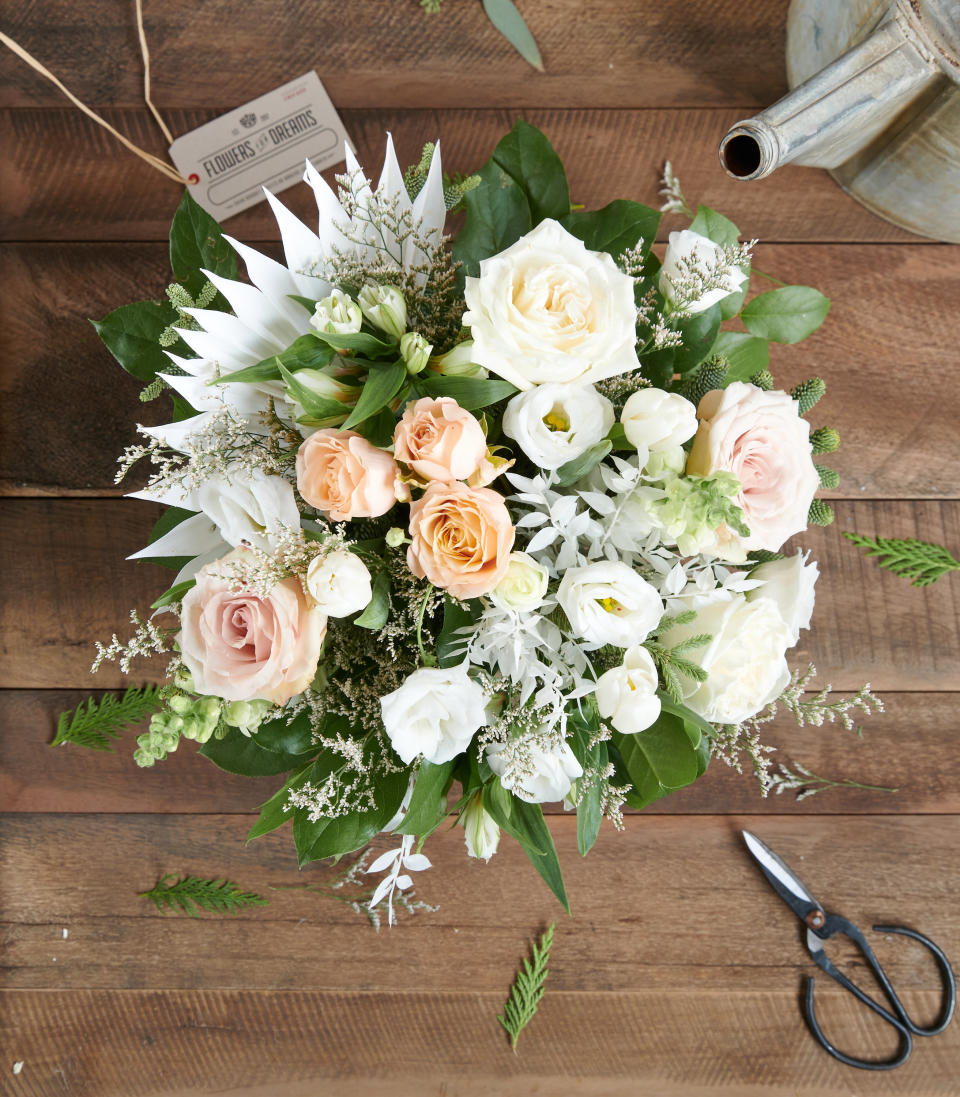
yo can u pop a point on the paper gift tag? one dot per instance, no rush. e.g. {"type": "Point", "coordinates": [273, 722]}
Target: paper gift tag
{"type": "Point", "coordinates": [262, 144]}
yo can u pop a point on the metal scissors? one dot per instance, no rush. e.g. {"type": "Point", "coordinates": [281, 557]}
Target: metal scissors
{"type": "Point", "coordinates": [820, 927]}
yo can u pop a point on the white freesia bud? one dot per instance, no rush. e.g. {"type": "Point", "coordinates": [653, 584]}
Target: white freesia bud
{"type": "Point", "coordinates": [627, 695]}
{"type": "Point", "coordinates": [658, 420]}
{"type": "Point", "coordinates": [547, 775]}
{"type": "Point", "coordinates": [554, 424]}
{"type": "Point", "coordinates": [339, 583]}
{"type": "Point", "coordinates": [609, 603]}
{"type": "Point", "coordinates": [337, 314]}
{"type": "Point", "coordinates": [415, 351]}
{"type": "Point", "coordinates": [790, 583]}
{"type": "Point", "coordinates": [692, 258]}
{"type": "Point", "coordinates": [524, 586]}
{"type": "Point", "coordinates": [481, 833]}
{"type": "Point", "coordinates": [249, 505]}
{"type": "Point", "coordinates": [384, 307]}
{"type": "Point", "coordinates": [458, 362]}
{"type": "Point", "coordinates": [246, 715]}
{"type": "Point", "coordinates": [434, 713]}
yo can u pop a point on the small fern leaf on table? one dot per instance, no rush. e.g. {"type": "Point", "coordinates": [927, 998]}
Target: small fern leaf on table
{"type": "Point", "coordinates": [191, 894]}
{"type": "Point", "coordinates": [527, 989]}
{"type": "Point", "coordinates": [95, 723]}
{"type": "Point", "coordinates": [920, 561]}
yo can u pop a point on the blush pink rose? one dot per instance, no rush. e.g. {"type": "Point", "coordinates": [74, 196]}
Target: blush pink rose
{"type": "Point", "coordinates": [243, 646]}
{"type": "Point", "coordinates": [439, 440]}
{"type": "Point", "coordinates": [761, 438]}
{"type": "Point", "coordinates": [461, 538]}
{"type": "Point", "coordinates": [340, 473]}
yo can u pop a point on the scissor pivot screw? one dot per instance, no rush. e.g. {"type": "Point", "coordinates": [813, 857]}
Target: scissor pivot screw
{"type": "Point", "coordinates": [815, 919]}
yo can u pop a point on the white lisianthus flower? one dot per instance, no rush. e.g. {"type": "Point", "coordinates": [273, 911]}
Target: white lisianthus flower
{"type": "Point", "coordinates": [658, 420]}
{"type": "Point", "coordinates": [337, 314]}
{"type": "Point", "coordinates": [524, 586]}
{"type": "Point", "coordinates": [547, 310]}
{"type": "Point", "coordinates": [553, 771]}
{"type": "Point", "coordinates": [745, 659]}
{"type": "Point", "coordinates": [554, 424]}
{"type": "Point", "coordinates": [249, 506]}
{"type": "Point", "coordinates": [384, 307]}
{"type": "Point", "coordinates": [686, 247]}
{"type": "Point", "coordinates": [627, 695]}
{"type": "Point", "coordinates": [481, 833]}
{"type": "Point", "coordinates": [790, 583]}
{"type": "Point", "coordinates": [434, 713]}
{"type": "Point", "coordinates": [609, 603]}
{"type": "Point", "coordinates": [339, 583]}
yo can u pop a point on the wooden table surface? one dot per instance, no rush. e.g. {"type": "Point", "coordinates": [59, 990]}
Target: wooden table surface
{"type": "Point", "coordinates": [679, 972]}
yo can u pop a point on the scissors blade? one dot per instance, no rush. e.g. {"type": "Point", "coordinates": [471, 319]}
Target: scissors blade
{"type": "Point", "coordinates": [782, 879]}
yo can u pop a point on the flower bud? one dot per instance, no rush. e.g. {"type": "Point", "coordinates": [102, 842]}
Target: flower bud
{"type": "Point", "coordinates": [180, 704]}
{"type": "Point", "coordinates": [481, 833]}
{"type": "Point", "coordinates": [191, 728]}
{"type": "Point", "coordinates": [458, 362]}
{"type": "Point", "coordinates": [384, 307]}
{"type": "Point", "coordinates": [208, 708]}
{"type": "Point", "coordinates": [245, 715]}
{"type": "Point", "coordinates": [395, 537]}
{"type": "Point", "coordinates": [143, 758]}
{"type": "Point", "coordinates": [337, 314]}
{"type": "Point", "coordinates": [415, 351]}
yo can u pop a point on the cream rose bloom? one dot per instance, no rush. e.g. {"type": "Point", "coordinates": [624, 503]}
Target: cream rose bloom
{"type": "Point", "coordinates": [627, 695]}
{"type": "Point", "coordinates": [609, 603]}
{"type": "Point", "coordinates": [745, 660]}
{"type": "Point", "coordinates": [524, 586]}
{"type": "Point", "coordinates": [339, 583]}
{"type": "Point", "coordinates": [551, 775]}
{"type": "Point", "coordinates": [438, 440]}
{"type": "Point", "coordinates": [685, 247]}
{"type": "Point", "coordinates": [340, 473]}
{"type": "Point", "coordinates": [548, 310]}
{"type": "Point", "coordinates": [761, 438]}
{"type": "Point", "coordinates": [434, 713]}
{"type": "Point", "coordinates": [554, 424]}
{"type": "Point", "coordinates": [790, 583]}
{"type": "Point", "coordinates": [461, 538]}
{"type": "Point", "coordinates": [243, 646]}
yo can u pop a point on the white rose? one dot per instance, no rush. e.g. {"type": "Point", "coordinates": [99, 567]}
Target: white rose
{"type": "Point", "coordinates": [434, 713]}
{"type": "Point", "coordinates": [481, 833]}
{"type": "Point", "coordinates": [339, 583]}
{"type": "Point", "coordinates": [627, 695]}
{"type": "Point", "coordinates": [790, 583]}
{"type": "Point", "coordinates": [553, 424]}
{"type": "Point", "coordinates": [548, 310]}
{"type": "Point", "coordinates": [685, 249]}
{"type": "Point", "coordinates": [554, 769]}
{"type": "Point", "coordinates": [337, 314]}
{"type": "Point", "coordinates": [384, 307]}
{"type": "Point", "coordinates": [745, 659]}
{"type": "Point", "coordinates": [249, 506]}
{"type": "Point", "coordinates": [658, 420]}
{"type": "Point", "coordinates": [609, 603]}
{"type": "Point", "coordinates": [524, 586]}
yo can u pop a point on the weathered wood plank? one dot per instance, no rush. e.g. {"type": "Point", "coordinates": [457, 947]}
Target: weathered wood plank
{"type": "Point", "coordinates": [693, 54]}
{"type": "Point", "coordinates": [882, 351]}
{"type": "Point", "coordinates": [68, 585]}
{"type": "Point", "coordinates": [650, 1043]}
{"type": "Point", "coordinates": [64, 178]}
{"type": "Point", "coordinates": [71, 779]}
{"type": "Point", "coordinates": [672, 903]}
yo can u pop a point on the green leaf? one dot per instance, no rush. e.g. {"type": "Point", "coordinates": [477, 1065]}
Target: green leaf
{"type": "Point", "coordinates": [747, 354]}
{"type": "Point", "coordinates": [497, 215]}
{"type": "Point", "coordinates": [471, 393]}
{"type": "Point", "coordinates": [174, 594]}
{"type": "Point", "coordinates": [573, 470]}
{"type": "Point", "coordinates": [308, 303]}
{"type": "Point", "coordinates": [337, 837]}
{"type": "Point", "coordinates": [509, 22]}
{"type": "Point", "coordinates": [456, 615]}
{"type": "Point", "coordinates": [715, 226]}
{"type": "Point", "coordinates": [273, 813]}
{"type": "Point", "coordinates": [675, 708]}
{"type": "Point", "coordinates": [428, 804]}
{"type": "Point", "coordinates": [378, 610]}
{"type": "Point", "coordinates": [131, 334]}
{"type": "Point", "coordinates": [527, 990]}
{"type": "Point", "coordinates": [235, 753]}
{"type": "Point", "coordinates": [380, 387]}
{"type": "Point", "coordinates": [284, 736]}
{"type": "Point", "coordinates": [196, 240]}
{"type": "Point", "coordinates": [305, 352]}
{"type": "Point", "coordinates": [699, 332]}
{"type": "Point", "coordinates": [663, 751]}
{"type": "Point", "coordinates": [532, 163]}
{"type": "Point", "coordinates": [589, 809]}
{"type": "Point", "coordinates": [191, 894]}
{"type": "Point", "coordinates": [786, 315]}
{"type": "Point", "coordinates": [362, 342]}
{"type": "Point", "coordinates": [96, 723]}
{"type": "Point", "coordinates": [616, 228]}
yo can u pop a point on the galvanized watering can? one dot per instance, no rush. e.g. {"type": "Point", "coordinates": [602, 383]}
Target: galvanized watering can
{"type": "Point", "coordinates": [876, 99]}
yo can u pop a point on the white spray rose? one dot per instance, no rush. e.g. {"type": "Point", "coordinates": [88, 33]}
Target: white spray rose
{"type": "Point", "coordinates": [627, 695]}
{"type": "Point", "coordinates": [554, 769]}
{"type": "Point", "coordinates": [434, 713]}
{"type": "Point", "coordinates": [790, 583]}
{"type": "Point", "coordinates": [249, 505]}
{"type": "Point", "coordinates": [384, 307]}
{"type": "Point", "coordinates": [548, 310]}
{"type": "Point", "coordinates": [524, 586]}
{"type": "Point", "coordinates": [609, 603]}
{"type": "Point", "coordinates": [658, 420]}
{"type": "Point", "coordinates": [481, 833]}
{"type": "Point", "coordinates": [337, 314]}
{"type": "Point", "coordinates": [554, 424]}
{"type": "Point", "coordinates": [688, 247]}
{"type": "Point", "coordinates": [745, 659]}
{"type": "Point", "coordinates": [339, 583]}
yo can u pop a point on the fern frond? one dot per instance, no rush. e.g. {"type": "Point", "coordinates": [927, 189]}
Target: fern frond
{"type": "Point", "coordinates": [527, 989]}
{"type": "Point", "coordinates": [191, 894]}
{"type": "Point", "coordinates": [920, 561]}
{"type": "Point", "coordinates": [94, 723]}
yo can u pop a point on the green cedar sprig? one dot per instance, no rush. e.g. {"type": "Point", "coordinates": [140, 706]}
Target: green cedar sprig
{"type": "Point", "coordinates": [920, 561]}
{"type": "Point", "coordinates": [672, 664]}
{"type": "Point", "coordinates": [191, 894]}
{"type": "Point", "coordinates": [95, 723]}
{"type": "Point", "coordinates": [527, 989]}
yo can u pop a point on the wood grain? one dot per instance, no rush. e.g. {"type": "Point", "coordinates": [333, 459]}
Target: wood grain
{"type": "Point", "coordinates": [898, 435]}
{"type": "Point", "coordinates": [610, 54]}
{"type": "Point", "coordinates": [726, 927]}
{"type": "Point", "coordinates": [923, 726]}
{"type": "Point", "coordinates": [64, 178]}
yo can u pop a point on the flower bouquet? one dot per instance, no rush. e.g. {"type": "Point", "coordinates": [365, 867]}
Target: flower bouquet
{"type": "Point", "coordinates": [503, 516]}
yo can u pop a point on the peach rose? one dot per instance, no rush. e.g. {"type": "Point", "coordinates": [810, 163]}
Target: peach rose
{"type": "Point", "coordinates": [243, 646]}
{"type": "Point", "coordinates": [439, 440]}
{"type": "Point", "coordinates": [761, 438]}
{"type": "Point", "coordinates": [345, 476]}
{"type": "Point", "coordinates": [462, 538]}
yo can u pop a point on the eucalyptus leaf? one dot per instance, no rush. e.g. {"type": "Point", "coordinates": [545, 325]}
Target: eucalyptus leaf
{"type": "Point", "coordinates": [380, 387]}
{"type": "Point", "coordinates": [197, 241]}
{"type": "Point", "coordinates": [721, 230]}
{"type": "Point", "coordinates": [510, 23]}
{"type": "Point", "coordinates": [527, 156]}
{"type": "Point", "coordinates": [786, 315]}
{"type": "Point", "coordinates": [131, 334]}
{"type": "Point", "coordinates": [747, 354]}
{"type": "Point", "coordinates": [616, 228]}
{"type": "Point", "coordinates": [471, 393]}
{"type": "Point", "coordinates": [573, 470]}
{"type": "Point", "coordinates": [497, 215]}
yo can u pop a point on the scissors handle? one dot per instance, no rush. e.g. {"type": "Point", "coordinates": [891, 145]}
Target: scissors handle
{"type": "Point", "coordinates": [946, 972]}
